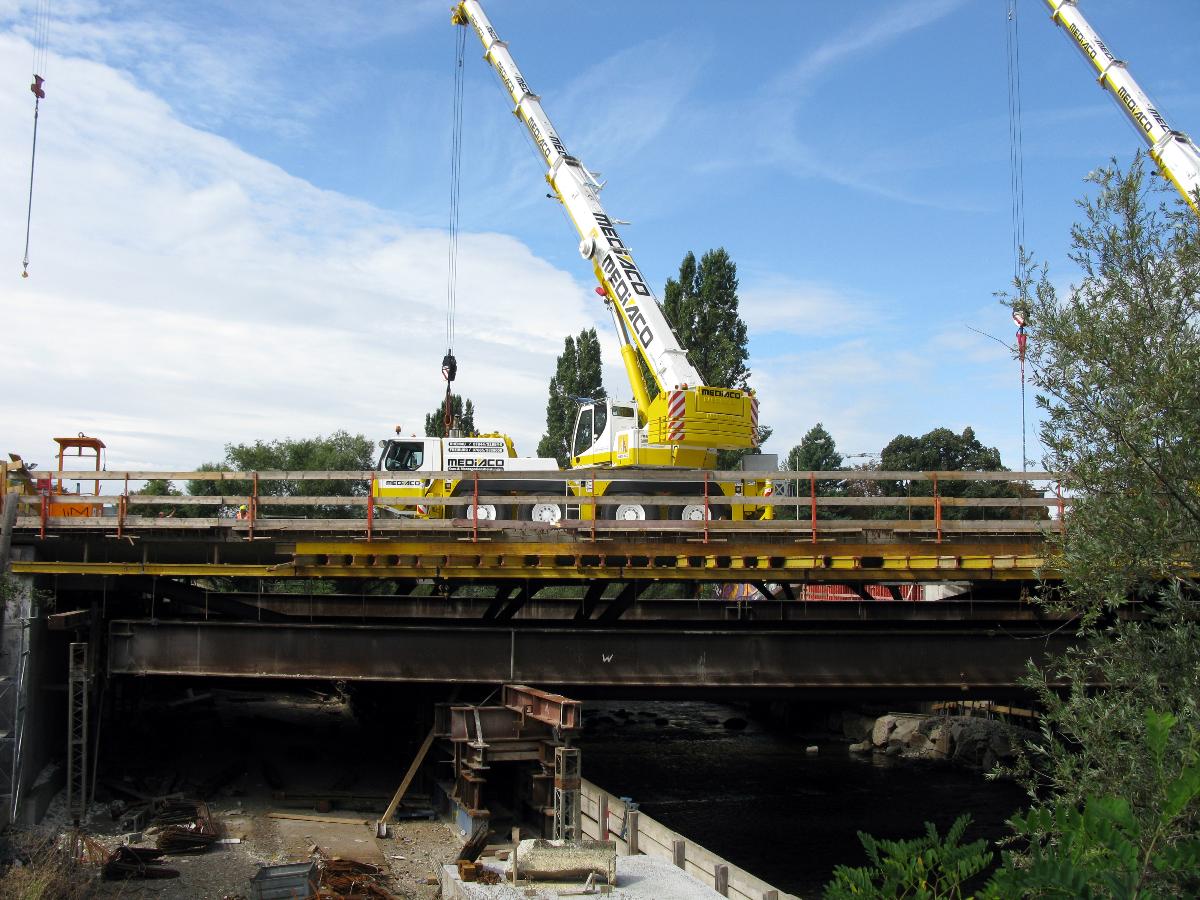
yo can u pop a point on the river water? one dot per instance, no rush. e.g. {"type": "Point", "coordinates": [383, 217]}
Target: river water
{"type": "Point", "coordinates": [756, 797]}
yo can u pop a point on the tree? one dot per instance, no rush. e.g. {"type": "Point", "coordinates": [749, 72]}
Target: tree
{"type": "Point", "coordinates": [577, 376]}
{"type": "Point", "coordinates": [702, 308]}
{"type": "Point", "coordinates": [944, 451]}
{"type": "Point", "coordinates": [1116, 366]}
{"type": "Point", "coordinates": [462, 412]}
{"type": "Point", "coordinates": [340, 451]}
{"type": "Point", "coordinates": [940, 449]}
{"type": "Point", "coordinates": [1118, 373]}
{"type": "Point", "coordinates": [158, 487]}
{"type": "Point", "coordinates": [816, 452]}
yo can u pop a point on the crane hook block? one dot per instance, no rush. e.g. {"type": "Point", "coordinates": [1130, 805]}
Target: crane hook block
{"type": "Point", "coordinates": [449, 366]}
{"type": "Point", "coordinates": [36, 87]}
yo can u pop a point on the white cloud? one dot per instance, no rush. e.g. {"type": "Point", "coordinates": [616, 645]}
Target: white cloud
{"type": "Point", "coordinates": [864, 35]}
{"type": "Point", "coordinates": [184, 294]}
{"type": "Point", "coordinates": [780, 304]}
{"type": "Point", "coordinates": [644, 86]}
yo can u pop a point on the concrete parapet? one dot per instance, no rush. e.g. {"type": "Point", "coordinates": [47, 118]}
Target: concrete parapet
{"type": "Point", "coordinates": [652, 838]}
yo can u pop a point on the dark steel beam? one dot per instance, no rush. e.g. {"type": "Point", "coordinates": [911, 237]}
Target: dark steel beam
{"type": "Point", "coordinates": [865, 655]}
{"type": "Point", "coordinates": [553, 709]}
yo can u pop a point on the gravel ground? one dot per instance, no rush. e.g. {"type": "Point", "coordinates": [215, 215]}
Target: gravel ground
{"type": "Point", "coordinates": [415, 852]}
{"type": "Point", "coordinates": [309, 744]}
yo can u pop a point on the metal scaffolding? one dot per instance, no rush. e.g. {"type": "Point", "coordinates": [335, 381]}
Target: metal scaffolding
{"type": "Point", "coordinates": [77, 739]}
{"type": "Point", "coordinates": [567, 793]}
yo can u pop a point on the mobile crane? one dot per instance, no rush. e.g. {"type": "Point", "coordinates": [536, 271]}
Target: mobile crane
{"type": "Point", "coordinates": [1176, 155]}
{"type": "Point", "coordinates": [683, 426]}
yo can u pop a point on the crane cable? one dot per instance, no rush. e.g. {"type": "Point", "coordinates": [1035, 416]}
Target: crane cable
{"type": "Point", "coordinates": [41, 38]}
{"type": "Point", "coordinates": [1016, 171]}
{"type": "Point", "coordinates": [449, 363]}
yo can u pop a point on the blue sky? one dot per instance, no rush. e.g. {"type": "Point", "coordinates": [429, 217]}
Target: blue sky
{"type": "Point", "coordinates": [240, 214]}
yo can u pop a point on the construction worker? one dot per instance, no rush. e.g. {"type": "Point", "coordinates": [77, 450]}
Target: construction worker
{"type": "Point", "coordinates": [243, 512]}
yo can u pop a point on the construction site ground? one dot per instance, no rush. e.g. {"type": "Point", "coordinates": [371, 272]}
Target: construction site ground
{"type": "Point", "coordinates": [255, 756]}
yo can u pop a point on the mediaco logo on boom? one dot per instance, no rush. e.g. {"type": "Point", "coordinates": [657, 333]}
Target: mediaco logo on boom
{"type": "Point", "coordinates": [623, 274]}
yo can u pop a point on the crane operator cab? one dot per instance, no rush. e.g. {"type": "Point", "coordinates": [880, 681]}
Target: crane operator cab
{"type": "Point", "coordinates": [402, 456]}
{"type": "Point", "coordinates": [604, 430]}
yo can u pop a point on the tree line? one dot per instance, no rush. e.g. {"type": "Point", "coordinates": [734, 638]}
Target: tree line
{"type": "Point", "coordinates": [940, 450]}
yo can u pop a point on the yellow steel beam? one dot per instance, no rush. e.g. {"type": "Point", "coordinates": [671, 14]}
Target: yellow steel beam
{"type": "Point", "coordinates": [556, 566]}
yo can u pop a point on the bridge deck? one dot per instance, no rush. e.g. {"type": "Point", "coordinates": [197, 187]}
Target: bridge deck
{"type": "Point", "coordinates": [363, 537]}
{"type": "Point", "coordinates": [583, 602]}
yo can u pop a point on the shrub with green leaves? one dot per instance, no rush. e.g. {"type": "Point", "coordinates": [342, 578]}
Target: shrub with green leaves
{"type": "Point", "coordinates": [1108, 848]}
{"type": "Point", "coordinates": [925, 868]}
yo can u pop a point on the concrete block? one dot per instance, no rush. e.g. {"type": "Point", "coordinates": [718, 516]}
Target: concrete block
{"type": "Point", "coordinates": [566, 860]}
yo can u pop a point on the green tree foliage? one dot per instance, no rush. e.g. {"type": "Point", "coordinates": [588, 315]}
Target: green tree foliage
{"type": "Point", "coordinates": [1117, 367]}
{"type": "Point", "coordinates": [926, 868]}
{"type": "Point", "coordinates": [157, 487]}
{"type": "Point", "coordinates": [1104, 845]}
{"type": "Point", "coordinates": [462, 412]}
{"type": "Point", "coordinates": [577, 375]}
{"type": "Point", "coordinates": [340, 452]}
{"type": "Point", "coordinates": [702, 307]}
{"type": "Point", "coordinates": [1101, 847]}
{"type": "Point", "coordinates": [1118, 375]}
{"type": "Point", "coordinates": [944, 451]}
{"type": "Point", "coordinates": [1092, 731]}
{"type": "Point", "coordinates": [816, 452]}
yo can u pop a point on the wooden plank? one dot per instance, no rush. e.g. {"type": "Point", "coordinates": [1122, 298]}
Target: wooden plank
{"type": "Point", "coordinates": [408, 777]}
{"type": "Point", "coordinates": [64, 621]}
{"type": "Point", "coordinates": [824, 527]}
{"type": "Point", "coordinates": [565, 475]}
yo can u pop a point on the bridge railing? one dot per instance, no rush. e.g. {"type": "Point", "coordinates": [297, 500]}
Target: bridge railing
{"type": "Point", "coordinates": [931, 502]}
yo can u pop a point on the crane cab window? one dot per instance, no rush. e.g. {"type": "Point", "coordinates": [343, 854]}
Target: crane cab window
{"type": "Point", "coordinates": [601, 414]}
{"type": "Point", "coordinates": [584, 434]}
{"type": "Point", "coordinates": [403, 456]}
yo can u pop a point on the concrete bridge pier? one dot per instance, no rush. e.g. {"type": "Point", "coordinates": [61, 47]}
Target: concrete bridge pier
{"type": "Point", "coordinates": [32, 712]}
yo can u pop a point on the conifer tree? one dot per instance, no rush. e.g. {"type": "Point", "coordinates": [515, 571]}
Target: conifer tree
{"type": "Point", "coordinates": [577, 376]}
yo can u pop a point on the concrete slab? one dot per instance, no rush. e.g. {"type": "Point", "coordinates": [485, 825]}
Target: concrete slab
{"type": "Point", "coordinates": [335, 839]}
{"type": "Point", "coordinates": [638, 878]}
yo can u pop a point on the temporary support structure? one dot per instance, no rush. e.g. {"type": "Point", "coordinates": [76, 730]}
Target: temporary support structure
{"type": "Point", "coordinates": [567, 781]}
{"type": "Point", "coordinates": [77, 735]}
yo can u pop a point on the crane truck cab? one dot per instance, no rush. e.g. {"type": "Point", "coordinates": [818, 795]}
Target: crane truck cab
{"type": "Point", "coordinates": [406, 467]}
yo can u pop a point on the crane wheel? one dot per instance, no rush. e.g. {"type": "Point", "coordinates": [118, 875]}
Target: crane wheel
{"type": "Point", "coordinates": [549, 513]}
{"type": "Point", "coordinates": [633, 512]}
{"type": "Point", "coordinates": [487, 512]}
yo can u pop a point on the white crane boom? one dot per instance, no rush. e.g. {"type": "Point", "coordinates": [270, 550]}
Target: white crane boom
{"type": "Point", "coordinates": [578, 190]}
{"type": "Point", "coordinates": [1177, 156]}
